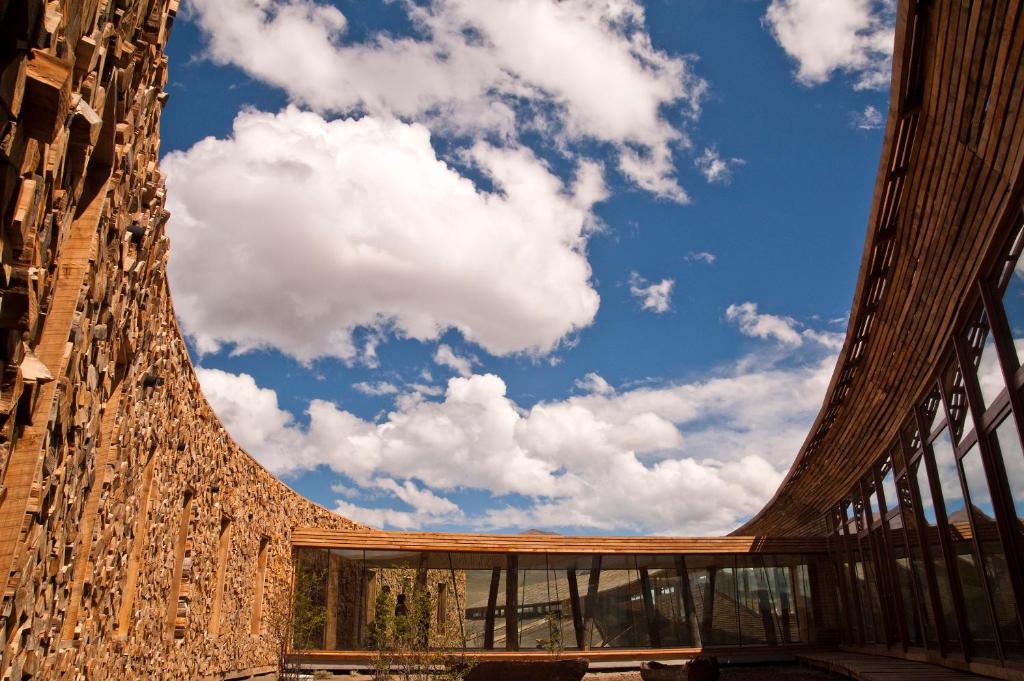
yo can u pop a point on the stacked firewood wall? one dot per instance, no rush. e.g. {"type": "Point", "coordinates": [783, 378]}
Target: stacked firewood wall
{"type": "Point", "coordinates": [104, 433]}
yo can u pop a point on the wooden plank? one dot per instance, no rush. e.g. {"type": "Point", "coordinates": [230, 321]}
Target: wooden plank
{"type": "Point", "coordinates": [492, 604]}
{"type": "Point", "coordinates": [512, 603]}
{"type": "Point", "coordinates": [555, 544]}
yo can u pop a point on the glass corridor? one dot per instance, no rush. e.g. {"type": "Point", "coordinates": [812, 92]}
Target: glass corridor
{"type": "Point", "coordinates": [347, 599]}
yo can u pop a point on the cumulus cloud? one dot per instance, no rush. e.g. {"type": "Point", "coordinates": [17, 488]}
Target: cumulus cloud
{"type": "Point", "coordinates": [825, 36]}
{"type": "Point", "coordinates": [785, 330]}
{"type": "Point", "coordinates": [445, 356]}
{"type": "Point", "coordinates": [694, 457]}
{"type": "Point", "coordinates": [654, 297]}
{"type": "Point", "coordinates": [868, 119]}
{"type": "Point", "coordinates": [576, 70]}
{"type": "Point", "coordinates": [714, 168]}
{"type": "Point", "coordinates": [296, 231]}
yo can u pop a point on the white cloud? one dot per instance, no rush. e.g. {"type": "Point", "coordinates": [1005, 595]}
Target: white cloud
{"type": "Point", "coordinates": [825, 36]}
{"type": "Point", "coordinates": [785, 330]}
{"type": "Point", "coordinates": [691, 458]}
{"type": "Point", "coordinates": [762, 325]}
{"type": "Point", "coordinates": [445, 356]}
{"type": "Point", "coordinates": [869, 119]}
{"type": "Point", "coordinates": [700, 256]}
{"type": "Point", "coordinates": [375, 389]}
{"type": "Point", "coordinates": [295, 231]}
{"type": "Point", "coordinates": [594, 383]}
{"type": "Point", "coordinates": [714, 168]}
{"type": "Point", "coordinates": [574, 70]}
{"type": "Point", "coordinates": [654, 297]}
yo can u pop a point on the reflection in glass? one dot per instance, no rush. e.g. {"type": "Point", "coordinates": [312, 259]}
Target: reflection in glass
{"type": "Point", "coordinates": [905, 579]}
{"type": "Point", "coordinates": [917, 469]}
{"type": "Point", "coordinates": [949, 478]}
{"type": "Point", "coordinates": [484, 602]}
{"type": "Point", "coordinates": [994, 559]}
{"type": "Point", "coordinates": [982, 347]}
{"type": "Point", "coordinates": [909, 517]}
{"type": "Point", "coordinates": [889, 487]}
{"type": "Point", "coordinates": [1013, 304]}
{"type": "Point", "coordinates": [1013, 462]}
{"type": "Point", "coordinates": [713, 586]}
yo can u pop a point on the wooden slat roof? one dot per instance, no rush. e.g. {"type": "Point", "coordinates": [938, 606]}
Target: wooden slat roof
{"type": "Point", "coordinates": [948, 184]}
{"type": "Point", "coordinates": [547, 543]}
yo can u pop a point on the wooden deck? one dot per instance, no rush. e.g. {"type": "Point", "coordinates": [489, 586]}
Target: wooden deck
{"type": "Point", "coordinates": [878, 668]}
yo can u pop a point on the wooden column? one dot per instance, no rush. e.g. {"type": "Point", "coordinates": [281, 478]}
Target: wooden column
{"type": "Point", "coordinates": [512, 603]}
{"type": "Point", "coordinates": [333, 584]}
{"type": "Point", "coordinates": [709, 604]}
{"type": "Point", "coordinates": [686, 597]}
{"type": "Point", "coordinates": [592, 586]}
{"type": "Point", "coordinates": [574, 604]}
{"type": "Point", "coordinates": [492, 604]}
{"type": "Point", "coordinates": [650, 614]}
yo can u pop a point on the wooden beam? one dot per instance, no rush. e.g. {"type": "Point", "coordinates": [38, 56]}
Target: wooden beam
{"type": "Point", "coordinates": [709, 606]}
{"type": "Point", "coordinates": [574, 604]}
{"type": "Point", "coordinates": [333, 598]}
{"type": "Point", "coordinates": [512, 603]}
{"type": "Point", "coordinates": [492, 604]}
{"type": "Point", "coordinates": [650, 614]}
{"type": "Point", "coordinates": [686, 598]}
{"type": "Point", "coordinates": [593, 583]}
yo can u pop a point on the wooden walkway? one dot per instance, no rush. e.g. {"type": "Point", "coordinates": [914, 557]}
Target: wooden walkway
{"type": "Point", "coordinates": [880, 668]}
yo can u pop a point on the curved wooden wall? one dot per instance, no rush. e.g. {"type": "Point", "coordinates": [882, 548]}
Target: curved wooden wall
{"type": "Point", "coordinates": [132, 527]}
{"type": "Point", "coordinates": [949, 184]}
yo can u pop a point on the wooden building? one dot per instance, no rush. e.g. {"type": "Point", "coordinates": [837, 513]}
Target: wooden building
{"type": "Point", "coordinates": [140, 541]}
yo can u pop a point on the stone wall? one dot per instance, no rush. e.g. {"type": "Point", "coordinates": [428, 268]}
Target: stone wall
{"type": "Point", "coordinates": [125, 504]}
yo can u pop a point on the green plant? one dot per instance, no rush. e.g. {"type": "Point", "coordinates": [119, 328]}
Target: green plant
{"type": "Point", "coordinates": [553, 643]}
{"type": "Point", "coordinates": [404, 645]}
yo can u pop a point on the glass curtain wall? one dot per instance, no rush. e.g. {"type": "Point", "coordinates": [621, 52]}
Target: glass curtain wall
{"type": "Point", "coordinates": [356, 600]}
{"type": "Point", "coordinates": [930, 543]}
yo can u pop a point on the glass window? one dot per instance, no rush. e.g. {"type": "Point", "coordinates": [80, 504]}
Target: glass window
{"type": "Point", "coordinates": [949, 478]}
{"type": "Point", "coordinates": [921, 480]}
{"type": "Point", "coordinates": [310, 598]}
{"type": "Point", "coordinates": [1013, 301]}
{"type": "Point", "coordinates": [666, 579]}
{"type": "Point", "coordinates": [905, 579]}
{"type": "Point", "coordinates": [330, 608]}
{"type": "Point", "coordinates": [713, 585]}
{"type": "Point", "coordinates": [617, 609]}
{"type": "Point", "coordinates": [889, 486]}
{"type": "Point", "coordinates": [982, 348]}
{"type": "Point", "coordinates": [1013, 461]}
{"type": "Point", "coordinates": [933, 551]}
{"type": "Point", "coordinates": [483, 604]}
{"type": "Point", "coordinates": [403, 601]}
{"type": "Point", "coordinates": [994, 559]}
{"type": "Point", "coordinates": [875, 510]}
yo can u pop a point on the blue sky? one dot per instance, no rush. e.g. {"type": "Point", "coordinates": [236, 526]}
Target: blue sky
{"type": "Point", "coordinates": [500, 265]}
